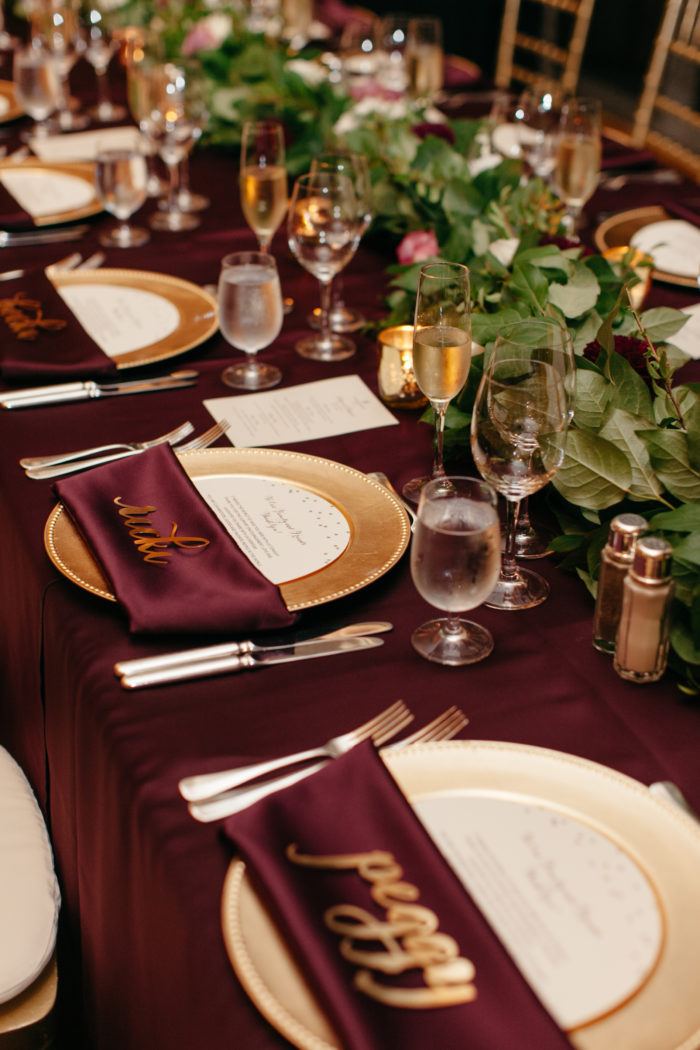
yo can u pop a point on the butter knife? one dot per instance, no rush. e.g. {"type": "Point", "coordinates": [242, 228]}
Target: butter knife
{"type": "Point", "coordinates": [250, 661]}
{"type": "Point", "coordinates": [9, 238]}
{"type": "Point", "coordinates": [30, 397]}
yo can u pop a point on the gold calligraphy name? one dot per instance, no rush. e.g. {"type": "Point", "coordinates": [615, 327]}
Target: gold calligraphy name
{"type": "Point", "coordinates": [25, 317]}
{"type": "Point", "coordinates": [148, 541]}
{"type": "Point", "coordinates": [408, 938]}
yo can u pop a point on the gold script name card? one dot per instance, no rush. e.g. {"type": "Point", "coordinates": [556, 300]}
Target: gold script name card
{"type": "Point", "coordinates": [155, 548]}
{"type": "Point", "coordinates": [25, 317]}
{"type": "Point", "coordinates": [407, 939]}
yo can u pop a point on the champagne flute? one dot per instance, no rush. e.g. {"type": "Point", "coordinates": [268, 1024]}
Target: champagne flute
{"type": "Point", "coordinates": [455, 560]}
{"type": "Point", "coordinates": [356, 166]}
{"type": "Point", "coordinates": [263, 178]}
{"type": "Point", "coordinates": [250, 316]}
{"type": "Point", "coordinates": [101, 48]}
{"type": "Point", "coordinates": [323, 236]}
{"type": "Point", "coordinates": [518, 439]}
{"type": "Point", "coordinates": [424, 55]}
{"type": "Point", "coordinates": [577, 156]}
{"type": "Point", "coordinates": [121, 178]}
{"type": "Point", "coordinates": [143, 54]}
{"type": "Point", "coordinates": [442, 346]}
{"type": "Point", "coordinates": [36, 84]}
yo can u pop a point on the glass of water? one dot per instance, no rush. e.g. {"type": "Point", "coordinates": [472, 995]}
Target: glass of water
{"type": "Point", "coordinates": [121, 178]}
{"type": "Point", "coordinates": [455, 562]}
{"type": "Point", "coordinates": [250, 316]}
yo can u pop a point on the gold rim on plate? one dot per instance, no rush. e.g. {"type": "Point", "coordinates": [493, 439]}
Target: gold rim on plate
{"type": "Point", "coordinates": [14, 110]}
{"type": "Point", "coordinates": [197, 309]}
{"type": "Point", "coordinates": [619, 229]}
{"type": "Point", "coordinates": [78, 170]}
{"type": "Point", "coordinates": [378, 523]}
{"type": "Point", "coordinates": [665, 843]}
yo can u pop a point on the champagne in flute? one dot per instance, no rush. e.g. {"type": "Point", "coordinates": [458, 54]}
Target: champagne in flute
{"type": "Point", "coordinates": [441, 359]}
{"type": "Point", "coordinates": [576, 168]}
{"type": "Point", "coordinates": [264, 199]}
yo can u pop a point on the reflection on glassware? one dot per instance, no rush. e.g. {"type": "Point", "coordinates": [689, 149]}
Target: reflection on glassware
{"type": "Point", "coordinates": [455, 561]}
{"type": "Point", "coordinates": [59, 29]}
{"type": "Point", "coordinates": [360, 56]}
{"type": "Point", "coordinates": [36, 84]}
{"type": "Point", "coordinates": [442, 345]}
{"type": "Point", "coordinates": [577, 157]}
{"type": "Point", "coordinates": [101, 48]}
{"type": "Point", "coordinates": [323, 236]}
{"type": "Point", "coordinates": [143, 52]}
{"type": "Point", "coordinates": [518, 438]}
{"type": "Point", "coordinates": [424, 57]}
{"type": "Point", "coordinates": [263, 178]}
{"type": "Point", "coordinates": [250, 316]}
{"type": "Point", "coordinates": [392, 68]}
{"type": "Point", "coordinates": [120, 178]}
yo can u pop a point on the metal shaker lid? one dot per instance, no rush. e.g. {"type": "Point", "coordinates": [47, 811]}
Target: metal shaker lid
{"type": "Point", "coordinates": [624, 532]}
{"type": "Point", "coordinates": [652, 559]}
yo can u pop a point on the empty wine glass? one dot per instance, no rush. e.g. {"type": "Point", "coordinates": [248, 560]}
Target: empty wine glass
{"type": "Point", "coordinates": [60, 30]}
{"type": "Point", "coordinates": [323, 235]}
{"type": "Point", "coordinates": [36, 84]}
{"type": "Point", "coordinates": [250, 316]}
{"type": "Point", "coordinates": [455, 560]}
{"type": "Point", "coordinates": [577, 155]}
{"type": "Point", "coordinates": [121, 177]}
{"type": "Point", "coordinates": [343, 318]}
{"type": "Point", "coordinates": [518, 438]}
{"type": "Point", "coordinates": [442, 347]}
{"type": "Point", "coordinates": [101, 48]}
{"type": "Point", "coordinates": [263, 178]}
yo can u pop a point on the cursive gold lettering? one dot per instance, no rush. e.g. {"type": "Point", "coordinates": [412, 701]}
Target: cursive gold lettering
{"type": "Point", "coordinates": [25, 317]}
{"type": "Point", "coordinates": [150, 543]}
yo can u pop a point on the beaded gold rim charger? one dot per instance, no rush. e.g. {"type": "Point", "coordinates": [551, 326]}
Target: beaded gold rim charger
{"type": "Point", "coordinates": [618, 230]}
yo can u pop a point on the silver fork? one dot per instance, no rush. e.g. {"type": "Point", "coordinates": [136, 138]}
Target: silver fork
{"type": "Point", "coordinates": [205, 785]}
{"type": "Point", "coordinates": [36, 462]}
{"type": "Point", "coordinates": [207, 438]}
{"type": "Point", "coordinates": [444, 727]}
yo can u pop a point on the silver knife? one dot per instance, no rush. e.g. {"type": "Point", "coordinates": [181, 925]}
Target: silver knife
{"type": "Point", "coordinates": [183, 657]}
{"type": "Point", "coordinates": [8, 238]}
{"type": "Point", "coordinates": [31, 397]}
{"type": "Point", "coordinates": [249, 661]}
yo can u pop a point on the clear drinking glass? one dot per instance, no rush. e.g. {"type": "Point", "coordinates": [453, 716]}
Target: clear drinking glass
{"type": "Point", "coordinates": [121, 177]}
{"type": "Point", "coordinates": [322, 231]}
{"type": "Point", "coordinates": [442, 348]}
{"type": "Point", "coordinates": [61, 32]}
{"type": "Point", "coordinates": [518, 439]}
{"type": "Point", "coordinates": [356, 166]}
{"type": "Point", "coordinates": [143, 55]}
{"type": "Point", "coordinates": [392, 66]}
{"type": "Point", "coordinates": [425, 59]}
{"type": "Point", "coordinates": [263, 178]}
{"type": "Point", "coordinates": [250, 316]}
{"type": "Point", "coordinates": [577, 155]}
{"type": "Point", "coordinates": [100, 50]}
{"type": "Point", "coordinates": [36, 84]}
{"type": "Point", "coordinates": [455, 560]}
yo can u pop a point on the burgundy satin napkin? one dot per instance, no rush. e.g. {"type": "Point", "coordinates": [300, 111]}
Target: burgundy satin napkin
{"type": "Point", "coordinates": [618, 155]}
{"type": "Point", "coordinates": [40, 337]}
{"type": "Point", "coordinates": [12, 214]}
{"type": "Point", "coordinates": [350, 876]}
{"type": "Point", "coordinates": [173, 566]}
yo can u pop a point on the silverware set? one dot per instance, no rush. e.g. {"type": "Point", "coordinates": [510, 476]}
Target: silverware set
{"type": "Point", "coordinates": [61, 393]}
{"type": "Point", "coordinates": [19, 238]}
{"type": "Point", "coordinates": [215, 796]}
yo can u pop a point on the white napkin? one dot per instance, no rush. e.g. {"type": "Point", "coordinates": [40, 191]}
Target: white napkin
{"type": "Point", "coordinates": [83, 145]}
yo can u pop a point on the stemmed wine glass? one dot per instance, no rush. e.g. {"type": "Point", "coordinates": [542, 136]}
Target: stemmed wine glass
{"type": "Point", "coordinates": [577, 156]}
{"type": "Point", "coordinates": [355, 166]}
{"type": "Point", "coordinates": [143, 54]}
{"type": "Point", "coordinates": [551, 342]}
{"type": "Point", "coordinates": [322, 232]}
{"type": "Point", "coordinates": [250, 316]}
{"type": "Point", "coordinates": [121, 178]}
{"type": "Point", "coordinates": [101, 48]}
{"type": "Point", "coordinates": [455, 559]}
{"type": "Point", "coordinates": [442, 347]}
{"type": "Point", "coordinates": [518, 439]}
{"type": "Point", "coordinates": [36, 83]}
{"type": "Point", "coordinates": [60, 30]}
{"type": "Point", "coordinates": [263, 178]}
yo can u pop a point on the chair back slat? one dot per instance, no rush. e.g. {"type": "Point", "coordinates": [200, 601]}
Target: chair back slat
{"type": "Point", "coordinates": [552, 63]}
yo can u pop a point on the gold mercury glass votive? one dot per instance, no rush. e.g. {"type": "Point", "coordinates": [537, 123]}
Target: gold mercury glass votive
{"type": "Point", "coordinates": [641, 263]}
{"type": "Point", "coordinates": [397, 380]}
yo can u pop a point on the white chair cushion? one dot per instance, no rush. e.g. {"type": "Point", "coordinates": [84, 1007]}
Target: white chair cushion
{"type": "Point", "coordinates": [29, 894]}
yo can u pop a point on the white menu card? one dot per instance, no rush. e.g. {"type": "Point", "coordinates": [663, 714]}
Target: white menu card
{"type": "Point", "coordinates": [575, 911]}
{"type": "Point", "coordinates": [341, 405]}
{"type": "Point", "coordinates": [118, 318]}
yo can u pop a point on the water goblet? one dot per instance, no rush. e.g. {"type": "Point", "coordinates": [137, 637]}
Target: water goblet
{"type": "Point", "coordinates": [250, 316]}
{"type": "Point", "coordinates": [60, 30]}
{"type": "Point", "coordinates": [441, 350]}
{"type": "Point", "coordinates": [263, 178]}
{"type": "Point", "coordinates": [322, 231]}
{"type": "Point", "coordinates": [36, 84]}
{"type": "Point", "coordinates": [121, 178]}
{"type": "Point", "coordinates": [101, 48]}
{"type": "Point", "coordinates": [518, 439]}
{"type": "Point", "coordinates": [455, 560]}
{"type": "Point", "coordinates": [577, 156]}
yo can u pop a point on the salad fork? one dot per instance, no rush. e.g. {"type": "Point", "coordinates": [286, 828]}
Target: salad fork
{"type": "Point", "coordinates": [207, 438]}
{"type": "Point", "coordinates": [173, 436]}
{"type": "Point", "coordinates": [444, 727]}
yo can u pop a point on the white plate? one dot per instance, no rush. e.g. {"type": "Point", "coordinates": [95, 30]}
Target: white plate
{"type": "Point", "coordinates": [673, 244]}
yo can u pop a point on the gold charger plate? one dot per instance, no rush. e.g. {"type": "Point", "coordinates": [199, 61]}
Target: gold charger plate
{"type": "Point", "coordinates": [379, 527]}
{"type": "Point", "coordinates": [665, 1012]}
{"type": "Point", "coordinates": [14, 110]}
{"type": "Point", "coordinates": [197, 309]}
{"type": "Point", "coordinates": [78, 170]}
{"type": "Point", "coordinates": [619, 229]}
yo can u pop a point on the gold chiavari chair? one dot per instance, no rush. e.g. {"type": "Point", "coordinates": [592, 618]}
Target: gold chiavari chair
{"type": "Point", "coordinates": [667, 119]}
{"type": "Point", "coordinates": [542, 42]}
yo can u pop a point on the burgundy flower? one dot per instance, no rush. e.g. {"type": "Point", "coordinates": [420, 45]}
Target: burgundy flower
{"type": "Point", "coordinates": [417, 246]}
{"type": "Point", "coordinates": [633, 350]}
{"type": "Point", "coordinates": [440, 131]}
{"type": "Point", "coordinates": [563, 243]}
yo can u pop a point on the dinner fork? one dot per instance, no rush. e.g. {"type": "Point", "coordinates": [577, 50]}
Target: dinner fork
{"type": "Point", "coordinates": [207, 438]}
{"type": "Point", "coordinates": [444, 727]}
{"type": "Point", "coordinates": [173, 436]}
{"type": "Point", "coordinates": [206, 785]}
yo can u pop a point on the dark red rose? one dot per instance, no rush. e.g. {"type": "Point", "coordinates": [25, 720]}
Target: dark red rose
{"type": "Point", "coordinates": [563, 243]}
{"type": "Point", "coordinates": [633, 350]}
{"type": "Point", "coordinates": [440, 131]}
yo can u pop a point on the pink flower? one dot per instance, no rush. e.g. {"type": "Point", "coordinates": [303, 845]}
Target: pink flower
{"type": "Point", "coordinates": [199, 38]}
{"type": "Point", "coordinates": [417, 246]}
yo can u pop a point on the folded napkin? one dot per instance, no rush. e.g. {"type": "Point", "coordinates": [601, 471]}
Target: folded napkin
{"type": "Point", "coordinates": [41, 337]}
{"type": "Point", "coordinates": [12, 214]}
{"type": "Point", "coordinates": [618, 155]}
{"type": "Point", "coordinates": [173, 566]}
{"type": "Point", "coordinates": [350, 877]}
